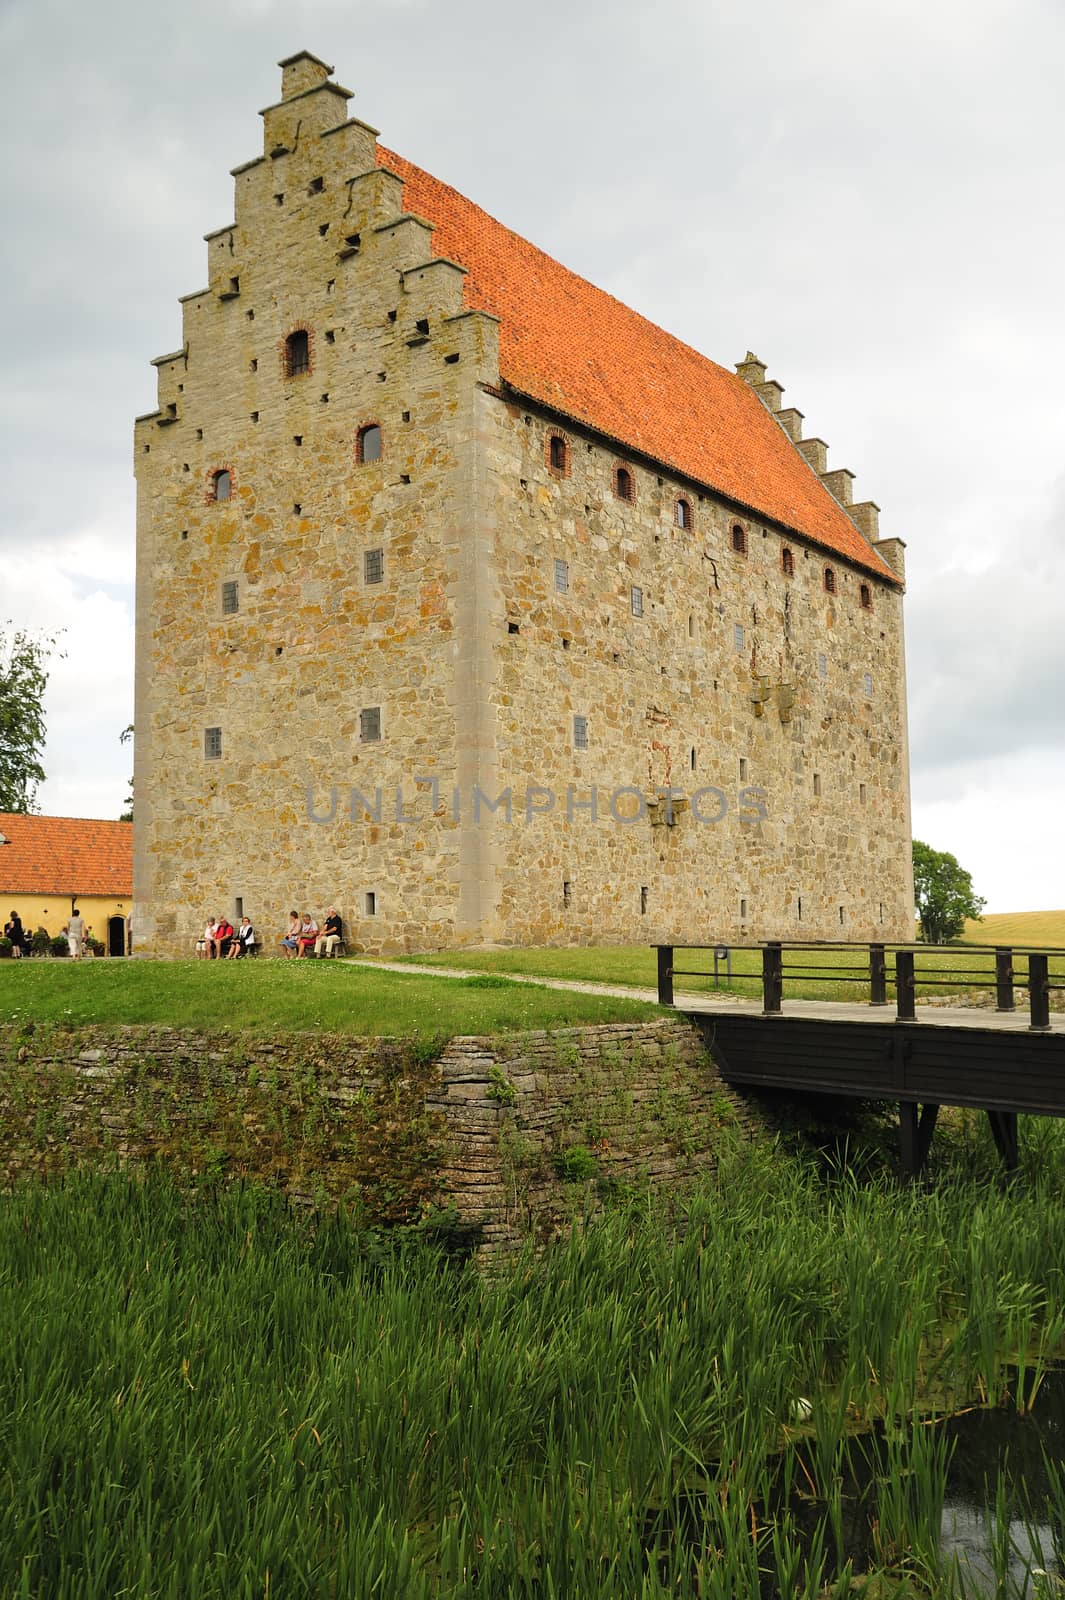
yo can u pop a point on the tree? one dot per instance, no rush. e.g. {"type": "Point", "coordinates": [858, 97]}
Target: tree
{"type": "Point", "coordinates": [23, 677]}
{"type": "Point", "coordinates": [944, 894]}
{"type": "Point", "coordinates": [126, 737]}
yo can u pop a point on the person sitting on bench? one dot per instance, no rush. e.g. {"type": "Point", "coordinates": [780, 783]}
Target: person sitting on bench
{"type": "Point", "coordinates": [331, 935]}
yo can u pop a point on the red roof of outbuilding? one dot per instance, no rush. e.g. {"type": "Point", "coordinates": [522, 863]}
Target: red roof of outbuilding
{"type": "Point", "coordinates": [579, 351]}
{"type": "Point", "coordinates": [65, 855]}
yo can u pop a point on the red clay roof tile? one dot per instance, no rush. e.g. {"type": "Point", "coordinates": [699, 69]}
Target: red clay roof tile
{"type": "Point", "coordinates": [65, 855]}
{"type": "Point", "coordinates": [579, 351]}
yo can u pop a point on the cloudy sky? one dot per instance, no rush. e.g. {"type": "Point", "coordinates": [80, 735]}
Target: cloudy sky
{"type": "Point", "coordinates": [871, 197]}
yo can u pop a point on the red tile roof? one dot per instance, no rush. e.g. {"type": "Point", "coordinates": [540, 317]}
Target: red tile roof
{"type": "Point", "coordinates": [65, 855]}
{"type": "Point", "coordinates": [579, 351]}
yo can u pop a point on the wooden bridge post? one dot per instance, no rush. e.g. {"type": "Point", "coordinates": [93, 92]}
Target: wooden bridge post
{"type": "Point", "coordinates": [905, 991]}
{"type": "Point", "coordinates": [665, 974]}
{"type": "Point", "coordinates": [916, 1127]}
{"type": "Point", "coordinates": [1004, 996]}
{"type": "Point", "coordinates": [772, 978]}
{"type": "Point", "coordinates": [1004, 1133]}
{"type": "Point", "coordinates": [1039, 991]}
{"type": "Point", "coordinates": [877, 975]}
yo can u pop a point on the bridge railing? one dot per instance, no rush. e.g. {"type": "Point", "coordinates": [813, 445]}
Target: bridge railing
{"type": "Point", "coordinates": [879, 967]}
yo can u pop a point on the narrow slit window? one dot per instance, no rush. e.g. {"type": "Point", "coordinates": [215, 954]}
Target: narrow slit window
{"type": "Point", "coordinates": [822, 664]}
{"type": "Point", "coordinates": [567, 892]}
{"type": "Point", "coordinates": [580, 733]}
{"type": "Point", "coordinates": [557, 453]}
{"type": "Point", "coordinates": [561, 575]}
{"type": "Point", "coordinates": [817, 783]}
{"type": "Point", "coordinates": [743, 911]}
{"type": "Point", "coordinates": [624, 485]}
{"type": "Point", "coordinates": [368, 443]}
{"type": "Point", "coordinates": [370, 724]}
{"type": "Point", "coordinates": [645, 895]}
{"type": "Point", "coordinates": [212, 743]}
{"type": "Point", "coordinates": [637, 601]}
{"type": "Point", "coordinates": [787, 562]}
{"type": "Point", "coordinates": [374, 566]}
{"type": "Point", "coordinates": [830, 580]}
{"type": "Point", "coordinates": [230, 600]}
{"type": "Point", "coordinates": [865, 597]}
{"type": "Point", "coordinates": [739, 539]}
{"type": "Point", "coordinates": [737, 637]}
{"type": "Point", "coordinates": [682, 513]}
{"type": "Point", "coordinates": [222, 485]}
{"type": "Point", "coordinates": [371, 903]}
{"type": "Point", "coordinates": [867, 685]}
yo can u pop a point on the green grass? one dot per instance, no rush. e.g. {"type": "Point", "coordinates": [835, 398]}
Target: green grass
{"type": "Point", "coordinates": [264, 995]}
{"type": "Point", "coordinates": [635, 965]}
{"type": "Point", "coordinates": [214, 1397]}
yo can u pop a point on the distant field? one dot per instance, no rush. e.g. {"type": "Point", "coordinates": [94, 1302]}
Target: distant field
{"type": "Point", "coordinates": [1038, 928]}
{"type": "Point", "coordinates": [635, 965]}
{"type": "Point", "coordinates": [258, 996]}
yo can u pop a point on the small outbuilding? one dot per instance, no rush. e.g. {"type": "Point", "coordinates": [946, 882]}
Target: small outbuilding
{"type": "Point", "coordinates": [50, 864]}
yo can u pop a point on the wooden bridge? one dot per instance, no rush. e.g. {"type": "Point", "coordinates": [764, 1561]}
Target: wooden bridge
{"type": "Point", "coordinates": [1002, 1061]}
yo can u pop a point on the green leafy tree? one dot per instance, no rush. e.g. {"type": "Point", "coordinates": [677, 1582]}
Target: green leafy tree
{"type": "Point", "coordinates": [944, 894]}
{"type": "Point", "coordinates": [23, 678]}
{"type": "Point", "coordinates": [126, 737]}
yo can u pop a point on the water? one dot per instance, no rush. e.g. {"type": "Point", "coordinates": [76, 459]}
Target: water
{"type": "Point", "coordinates": [1002, 1528]}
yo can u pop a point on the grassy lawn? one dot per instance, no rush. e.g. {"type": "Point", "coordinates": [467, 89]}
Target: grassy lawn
{"type": "Point", "coordinates": [264, 995]}
{"type": "Point", "coordinates": [1043, 929]}
{"type": "Point", "coordinates": [635, 965]}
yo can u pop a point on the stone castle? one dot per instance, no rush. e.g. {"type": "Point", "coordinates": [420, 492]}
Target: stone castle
{"type": "Point", "coordinates": [474, 603]}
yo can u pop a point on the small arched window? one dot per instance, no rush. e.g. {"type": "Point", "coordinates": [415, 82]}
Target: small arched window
{"type": "Point", "coordinates": [297, 357]}
{"type": "Point", "coordinates": [830, 580]}
{"type": "Point", "coordinates": [558, 453]}
{"type": "Point", "coordinates": [368, 443]}
{"type": "Point", "coordinates": [739, 538]}
{"type": "Point", "coordinates": [682, 513]}
{"type": "Point", "coordinates": [624, 485]}
{"type": "Point", "coordinates": [865, 597]}
{"type": "Point", "coordinates": [787, 562]}
{"type": "Point", "coordinates": [221, 484]}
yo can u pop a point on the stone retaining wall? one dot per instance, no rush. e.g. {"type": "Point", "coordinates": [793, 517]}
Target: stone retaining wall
{"type": "Point", "coordinates": [513, 1133]}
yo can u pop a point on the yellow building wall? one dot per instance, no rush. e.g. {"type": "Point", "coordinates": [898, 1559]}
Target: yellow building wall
{"type": "Point", "coordinates": [52, 911]}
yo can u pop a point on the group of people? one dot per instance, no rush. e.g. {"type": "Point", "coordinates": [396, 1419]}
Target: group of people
{"type": "Point", "coordinates": [74, 932]}
{"type": "Point", "coordinates": [305, 938]}
{"type": "Point", "coordinates": [221, 941]}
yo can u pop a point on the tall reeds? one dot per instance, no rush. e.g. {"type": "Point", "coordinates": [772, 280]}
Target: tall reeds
{"type": "Point", "coordinates": [215, 1397]}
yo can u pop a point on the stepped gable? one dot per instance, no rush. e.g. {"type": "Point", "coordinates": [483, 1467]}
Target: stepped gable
{"type": "Point", "coordinates": [65, 855]}
{"type": "Point", "coordinates": [579, 351]}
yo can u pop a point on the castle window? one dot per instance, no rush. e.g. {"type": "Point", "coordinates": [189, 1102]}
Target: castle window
{"type": "Point", "coordinates": [830, 580]}
{"type": "Point", "coordinates": [817, 783]}
{"type": "Point", "coordinates": [743, 911]}
{"type": "Point", "coordinates": [567, 892]}
{"type": "Point", "coordinates": [865, 597]}
{"type": "Point", "coordinates": [561, 576]}
{"type": "Point", "coordinates": [371, 903]}
{"type": "Point", "coordinates": [212, 743]}
{"type": "Point", "coordinates": [867, 685]}
{"type": "Point", "coordinates": [297, 353]}
{"type": "Point", "coordinates": [861, 794]}
{"type": "Point", "coordinates": [637, 601]}
{"type": "Point", "coordinates": [373, 566]}
{"type": "Point", "coordinates": [370, 724]}
{"type": "Point", "coordinates": [822, 665]}
{"type": "Point", "coordinates": [737, 637]}
{"type": "Point", "coordinates": [682, 513]}
{"type": "Point", "coordinates": [787, 562]}
{"type": "Point", "coordinates": [316, 186]}
{"type": "Point", "coordinates": [221, 486]}
{"type": "Point", "coordinates": [625, 485]}
{"type": "Point", "coordinates": [368, 443]}
{"type": "Point", "coordinates": [739, 538]}
{"type": "Point", "coordinates": [230, 602]}
{"type": "Point", "coordinates": [580, 733]}
{"type": "Point", "coordinates": [558, 453]}
{"type": "Point", "coordinates": [645, 895]}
